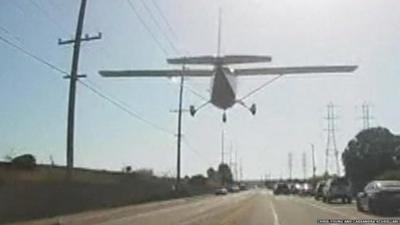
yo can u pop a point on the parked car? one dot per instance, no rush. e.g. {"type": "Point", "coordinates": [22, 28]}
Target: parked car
{"type": "Point", "coordinates": [337, 188]}
{"type": "Point", "coordinates": [318, 191]}
{"type": "Point", "coordinates": [380, 196]}
{"type": "Point", "coordinates": [221, 191]}
{"type": "Point", "coordinates": [281, 188]}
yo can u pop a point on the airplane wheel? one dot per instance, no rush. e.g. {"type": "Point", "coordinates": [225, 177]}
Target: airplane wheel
{"type": "Point", "coordinates": [253, 109]}
{"type": "Point", "coordinates": [192, 110]}
{"type": "Point", "coordinates": [224, 117]}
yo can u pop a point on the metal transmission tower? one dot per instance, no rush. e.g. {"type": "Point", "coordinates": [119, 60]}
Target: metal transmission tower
{"type": "Point", "coordinates": [73, 77]}
{"type": "Point", "coordinates": [331, 148]}
{"type": "Point", "coordinates": [314, 168]}
{"type": "Point", "coordinates": [241, 170]}
{"type": "Point", "coordinates": [366, 115]}
{"type": "Point", "coordinates": [304, 164]}
{"type": "Point", "coordinates": [290, 164]}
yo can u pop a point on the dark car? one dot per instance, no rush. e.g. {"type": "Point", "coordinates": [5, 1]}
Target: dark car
{"type": "Point", "coordinates": [337, 188]}
{"type": "Point", "coordinates": [318, 194]}
{"type": "Point", "coordinates": [281, 188]}
{"type": "Point", "coordinates": [381, 196]}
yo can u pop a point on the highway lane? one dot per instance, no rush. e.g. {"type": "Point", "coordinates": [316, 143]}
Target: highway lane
{"type": "Point", "coordinates": [246, 208]}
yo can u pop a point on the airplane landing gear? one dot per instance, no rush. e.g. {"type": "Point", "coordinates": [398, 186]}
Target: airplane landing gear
{"type": "Point", "coordinates": [192, 110]}
{"type": "Point", "coordinates": [224, 117]}
{"type": "Point", "coordinates": [253, 109]}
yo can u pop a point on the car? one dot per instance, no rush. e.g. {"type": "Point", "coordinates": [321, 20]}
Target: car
{"type": "Point", "coordinates": [242, 187]}
{"type": "Point", "coordinates": [306, 189]}
{"type": "Point", "coordinates": [296, 188]}
{"type": "Point", "coordinates": [221, 191]}
{"type": "Point", "coordinates": [318, 191]}
{"type": "Point", "coordinates": [380, 196]}
{"type": "Point", "coordinates": [337, 188]}
{"type": "Point", "coordinates": [233, 188]}
{"type": "Point", "coordinates": [281, 188]}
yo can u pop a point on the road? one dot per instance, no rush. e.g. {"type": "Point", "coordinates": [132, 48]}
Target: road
{"type": "Point", "coordinates": [245, 208]}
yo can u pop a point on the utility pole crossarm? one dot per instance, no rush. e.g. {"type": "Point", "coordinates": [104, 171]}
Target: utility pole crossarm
{"type": "Point", "coordinates": [87, 37]}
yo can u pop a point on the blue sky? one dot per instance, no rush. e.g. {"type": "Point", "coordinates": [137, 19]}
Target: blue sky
{"type": "Point", "coordinates": [290, 111]}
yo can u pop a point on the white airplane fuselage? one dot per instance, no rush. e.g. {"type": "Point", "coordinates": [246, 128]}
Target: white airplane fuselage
{"type": "Point", "coordinates": [223, 88]}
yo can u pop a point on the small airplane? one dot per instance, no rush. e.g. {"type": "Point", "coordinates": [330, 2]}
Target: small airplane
{"type": "Point", "coordinates": [224, 78]}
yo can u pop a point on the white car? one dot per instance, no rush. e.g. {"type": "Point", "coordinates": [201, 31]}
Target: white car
{"type": "Point", "coordinates": [221, 191]}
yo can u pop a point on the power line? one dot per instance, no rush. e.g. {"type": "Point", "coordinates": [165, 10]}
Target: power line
{"type": "Point", "coordinates": [161, 13]}
{"type": "Point", "coordinates": [171, 44]}
{"type": "Point", "coordinates": [190, 147]}
{"type": "Point", "coordinates": [123, 107]}
{"type": "Point", "coordinates": [6, 31]}
{"type": "Point", "coordinates": [35, 57]}
{"type": "Point", "coordinates": [142, 21]}
{"type": "Point", "coordinates": [194, 92]}
{"type": "Point", "coordinates": [116, 103]}
{"type": "Point", "coordinates": [46, 14]}
{"type": "Point", "coordinates": [261, 86]}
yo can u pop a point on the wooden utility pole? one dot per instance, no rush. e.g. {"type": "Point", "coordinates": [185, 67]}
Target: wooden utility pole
{"type": "Point", "coordinates": [73, 78]}
{"type": "Point", "coordinates": [222, 146]}
{"type": "Point", "coordinates": [178, 160]}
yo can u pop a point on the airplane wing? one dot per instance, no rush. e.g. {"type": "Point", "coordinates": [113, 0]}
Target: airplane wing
{"type": "Point", "coordinates": [295, 70]}
{"type": "Point", "coordinates": [155, 73]}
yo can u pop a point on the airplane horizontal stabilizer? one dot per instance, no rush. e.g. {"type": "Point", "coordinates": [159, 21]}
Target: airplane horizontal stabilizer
{"type": "Point", "coordinates": [240, 59]}
{"type": "Point", "coordinates": [155, 73]}
{"type": "Point", "coordinates": [294, 70]}
{"type": "Point", "coordinates": [222, 60]}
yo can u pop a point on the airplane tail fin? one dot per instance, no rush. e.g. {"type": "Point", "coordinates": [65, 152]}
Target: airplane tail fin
{"type": "Point", "coordinates": [220, 60]}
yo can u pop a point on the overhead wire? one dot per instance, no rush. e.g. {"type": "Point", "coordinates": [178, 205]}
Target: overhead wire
{"type": "Point", "coordinates": [106, 97]}
{"type": "Point", "coordinates": [165, 19]}
{"type": "Point", "coordinates": [6, 31]}
{"type": "Point", "coordinates": [194, 150]}
{"type": "Point", "coordinates": [33, 56]}
{"type": "Point", "coordinates": [46, 14]}
{"type": "Point", "coordinates": [143, 22]}
{"type": "Point", "coordinates": [261, 87]}
{"type": "Point", "coordinates": [154, 19]}
{"type": "Point", "coordinates": [123, 106]}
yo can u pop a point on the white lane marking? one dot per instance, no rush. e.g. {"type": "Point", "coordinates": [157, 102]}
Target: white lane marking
{"type": "Point", "coordinates": [127, 219]}
{"type": "Point", "coordinates": [199, 217]}
{"type": "Point", "coordinates": [324, 208]}
{"type": "Point", "coordinates": [276, 218]}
